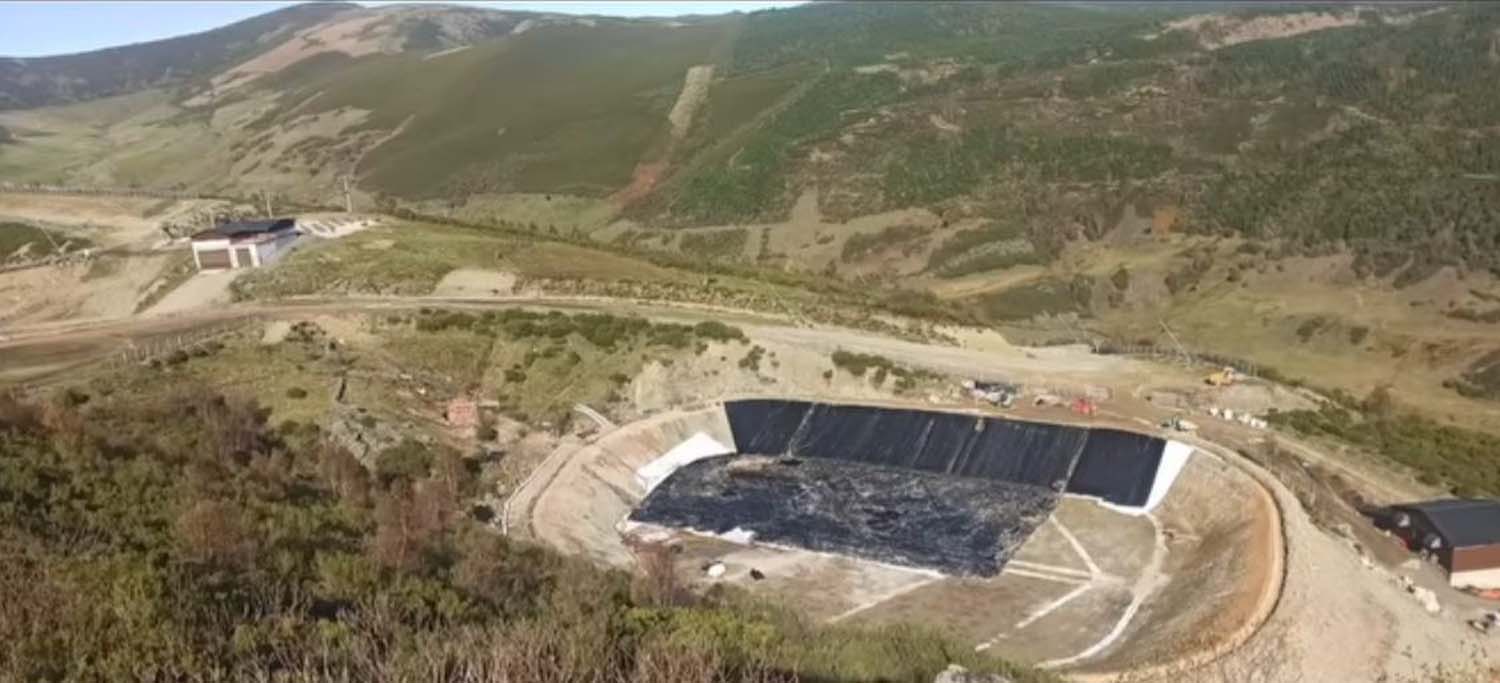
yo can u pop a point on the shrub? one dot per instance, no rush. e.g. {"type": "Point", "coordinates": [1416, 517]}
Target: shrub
{"type": "Point", "coordinates": [716, 331]}
{"type": "Point", "coordinates": [752, 359]}
{"type": "Point", "coordinates": [1357, 334]}
{"type": "Point", "coordinates": [282, 563]}
{"type": "Point", "coordinates": [1460, 457]}
{"type": "Point", "coordinates": [409, 460]}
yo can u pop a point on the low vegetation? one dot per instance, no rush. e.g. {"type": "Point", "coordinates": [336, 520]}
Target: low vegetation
{"type": "Point", "coordinates": [929, 170]}
{"type": "Point", "coordinates": [1460, 459]}
{"type": "Point", "coordinates": [1041, 298]}
{"type": "Point", "coordinates": [995, 245]}
{"type": "Point", "coordinates": [907, 237]}
{"type": "Point", "coordinates": [181, 536]}
{"type": "Point", "coordinates": [1481, 379]}
{"type": "Point", "coordinates": [753, 183]}
{"type": "Point", "coordinates": [22, 241]}
{"type": "Point", "coordinates": [600, 329]}
{"type": "Point", "coordinates": [538, 365]}
{"type": "Point", "coordinates": [879, 367]}
{"type": "Point", "coordinates": [719, 244]}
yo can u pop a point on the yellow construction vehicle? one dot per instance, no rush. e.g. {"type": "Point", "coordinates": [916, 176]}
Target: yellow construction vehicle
{"type": "Point", "coordinates": [1222, 378]}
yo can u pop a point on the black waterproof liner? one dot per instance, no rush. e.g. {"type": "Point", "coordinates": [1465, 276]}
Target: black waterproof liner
{"type": "Point", "coordinates": [1119, 467]}
{"type": "Point", "coordinates": [1116, 466]}
{"type": "Point", "coordinates": [956, 525]}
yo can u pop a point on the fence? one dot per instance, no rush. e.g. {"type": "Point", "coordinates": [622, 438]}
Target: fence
{"type": "Point", "coordinates": [162, 348]}
{"type": "Point", "coordinates": [140, 353]}
{"type": "Point", "coordinates": [42, 188]}
{"type": "Point", "coordinates": [1244, 367]}
{"type": "Point", "coordinates": [69, 258]}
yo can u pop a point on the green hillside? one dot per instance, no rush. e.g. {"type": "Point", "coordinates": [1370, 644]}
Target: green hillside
{"type": "Point", "coordinates": [555, 109]}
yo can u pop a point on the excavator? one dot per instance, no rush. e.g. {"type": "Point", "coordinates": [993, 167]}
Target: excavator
{"type": "Point", "coordinates": [1223, 378]}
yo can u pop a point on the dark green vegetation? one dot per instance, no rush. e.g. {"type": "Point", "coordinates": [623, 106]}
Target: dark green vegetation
{"type": "Point", "coordinates": [846, 35]}
{"type": "Point", "coordinates": [37, 241]}
{"type": "Point", "coordinates": [753, 182]}
{"type": "Point", "coordinates": [601, 329]}
{"type": "Point", "coordinates": [180, 536]}
{"type": "Point", "coordinates": [996, 245]}
{"type": "Point", "coordinates": [1373, 137]}
{"type": "Point", "coordinates": [1481, 380]}
{"type": "Point", "coordinates": [1400, 199]}
{"type": "Point", "coordinates": [905, 237]}
{"type": "Point", "coordinates": [879, 367]}
{"type": "Point", "coordinates": [1460, 459]}
{"type": "Point", "coordinates": [930, 170]}
{"type": "Point", "coordinates": [1045, 297]}
{"type": "Point", "coordinates": [720, 244]}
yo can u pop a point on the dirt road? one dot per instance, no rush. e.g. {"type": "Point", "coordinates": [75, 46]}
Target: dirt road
{"type": "Point", "coordinates": [1329, 602]}
{"type": "Point", "coordinates": [35, 352]}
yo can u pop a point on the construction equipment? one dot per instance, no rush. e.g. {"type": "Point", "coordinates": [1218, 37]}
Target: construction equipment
{"type": "Point", "coordinates": [997, 393]}
{"type": "Point", "coordinates": [1223, 378]}
{"type": "Point", "coordinates": [1180, 424]}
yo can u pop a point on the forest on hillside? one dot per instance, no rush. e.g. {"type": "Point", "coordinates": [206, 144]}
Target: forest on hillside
{"type": "Point", "coordinates": [1374, 136]}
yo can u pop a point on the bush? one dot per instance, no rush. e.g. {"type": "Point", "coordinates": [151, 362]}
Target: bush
{"type": "Point", "coordinates": [409, 460]}
{"type": "Point", "coordinates": [858, 364]}
{"type": "Point", "coordinates": [296, 393]}
{"type": "Point", "coordinates": [714, 330]}
{"type": "Point", "coordinates": [1357, 334]}
{"type": "Point", "coordinates": [863, 244]}
{"type": "Point", "coordinates": [719, 244]}
{"type": "Point", "coordinates": [1462, 458]}
{"type": "Point", "coordinates": [752, 358]}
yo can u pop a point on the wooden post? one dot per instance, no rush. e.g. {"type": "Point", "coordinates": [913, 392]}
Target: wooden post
{"type": "Point", "coordinates": [348, 200]}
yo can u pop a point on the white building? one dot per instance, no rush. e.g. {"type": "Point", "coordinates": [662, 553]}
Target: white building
{"type": "Point", "coordinates": [244, 244]}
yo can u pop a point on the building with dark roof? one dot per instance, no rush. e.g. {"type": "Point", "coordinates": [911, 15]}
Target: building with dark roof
{"type": "Point", "coordinates": [243, 244]}
{"type": "Point", "coordinates": [1463, 535]}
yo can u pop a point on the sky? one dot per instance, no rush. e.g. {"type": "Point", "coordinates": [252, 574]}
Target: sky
{"type": "Point", "coordinates": [33, 29]}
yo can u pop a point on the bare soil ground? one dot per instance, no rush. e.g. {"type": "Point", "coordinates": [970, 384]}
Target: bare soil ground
{"type": "Point", "coordinates": [474, 282]}
{"type": "Point", "coordinates": [1335, 619]}
{"type": "Point", "coordinates": [1217, 30]}
{"type": "Point", "coordinates": [694, 90]}
{"type": "Point", "coordinates": [1071, 592]}
{"type": "Point", "coordinates": [346, 35]}
{"type": "Point", "coordinates": [123, 216]}
{"type": "Point", "coordinates": [200, 290]}
{"type": "Point", "coordinates": [79, 291]}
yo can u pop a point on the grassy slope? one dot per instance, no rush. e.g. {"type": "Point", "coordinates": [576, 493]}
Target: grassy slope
{"type": "Point", "coordinates": [554, 109]}
{"type": "Point", "coordinates": [1052, 122]}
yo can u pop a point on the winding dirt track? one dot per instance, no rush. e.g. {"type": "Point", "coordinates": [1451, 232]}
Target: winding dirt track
{"type": "Point", "coordinates": [39, 354]}
{"type": "Point", "coordinates": [36, 352]}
